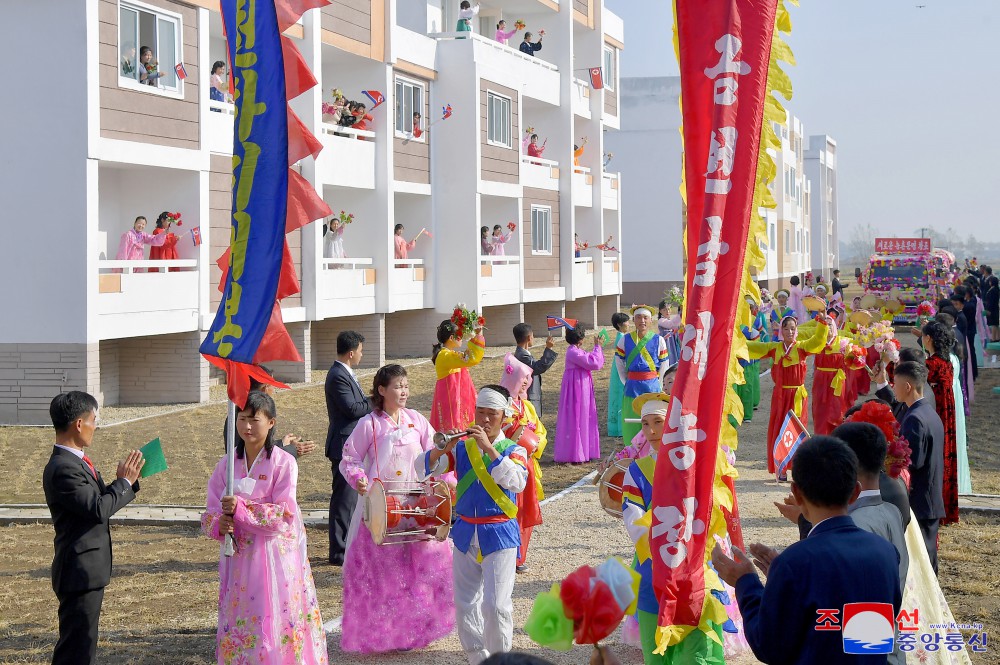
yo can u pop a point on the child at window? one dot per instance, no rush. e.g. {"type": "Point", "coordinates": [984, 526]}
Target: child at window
{"type": "Point", "coordinates": [148, 73]}
{"type": "Point", "coordinates": [219, 90]}
{"type": "Point", "coordinates": [417, 132]}
{"type": "Point", "coordinates": [502, 33]}
{"type": "Point", "coordinates": [465, 14]}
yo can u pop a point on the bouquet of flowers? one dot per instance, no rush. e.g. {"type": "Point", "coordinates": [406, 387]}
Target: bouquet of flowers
{"type": "Point", "coordinates": [519, 24]}
{"type": "Point", "coordinates": [337, 94]}
{"type": "Point", "coordinates": [606, 246]}
{"type": "Point", "coordinates": [855, 355]}
{"type": "Point", "coordinates": [511, 226]}
{"type": "Point", "coordinates": [541, 32]}
{"type": "Point", "coordinates": [529, 130]}
{"type": "Point", "coordinates": [585, 607]}
{"type": "Point", "coordinates": [582, 245]}
{"type": "Point", "coordinates": [874, 334]}
{"type": "Point", "coordinates": [674, 296]}
{"type": "Point", "coordinates": [897, 458]}
{"type": "Point", "coordinates": [765, 295]}
{"type": "Point", "coordinates": [467, 320]}
{"type": "Point", "coordinates": [175, 218]}
{"type": "Point", "coordinates": [925, 312]}
{"type": "Point", "coordinates": [345, 218]}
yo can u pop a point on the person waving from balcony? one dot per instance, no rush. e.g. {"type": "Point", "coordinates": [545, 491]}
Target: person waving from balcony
{"type": "Point", "coordinates": [529, 48]}
{"type": "Point", "coordinates": [534, 149]}
{"type": "Point", "coordinates": [465, 14]}
{"type": "Point", "coordinates": [130, 246]}
{"type": "Point", "coordinates": [499, 239]}
{"type": "Point", "coordinates": [502, 33]}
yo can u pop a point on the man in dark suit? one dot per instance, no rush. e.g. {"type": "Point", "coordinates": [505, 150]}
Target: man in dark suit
{"type": "Point", "coordinates": [838, 286]}
{"type": "Point", "coordinates": [780, 618]}
{"type": "Point", "coordinates": [81, 506]}
{"type": "Point", "coordinates": [525, 338]}
{"type": "Point", "coordinates": [883, 390]}
{"type": "Point", "coordinates": [346, 403]}
{"type": "Point", "coordinates": [923, 430]}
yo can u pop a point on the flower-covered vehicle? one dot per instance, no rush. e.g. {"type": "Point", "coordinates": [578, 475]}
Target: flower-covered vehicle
{"type": "Point", "coordinates": [911, 277]}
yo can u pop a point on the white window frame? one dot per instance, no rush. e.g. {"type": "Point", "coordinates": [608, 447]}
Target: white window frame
{"type": "Point", "coordinates": [610, 67]}
{"type": "Point", "coordinates": [406, 130]}
{"type": "Point", "coordinates": [496, 98]}
{"type": "Point", "coordinates": [544, 248]}
{"type": "Point", "coordinates": [788, 242]}
{"type": "Point", "coordinates": [160, 14]}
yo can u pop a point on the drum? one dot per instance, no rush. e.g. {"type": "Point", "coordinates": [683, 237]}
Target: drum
{"type": "Point", "coordinates": [860, 317]}
{"type": "Point", "coordinates": [609, 487]}
{"type": "Point", "coordinates": [814, 304]}
{"type": "Point", "coordinates": [398, 512]}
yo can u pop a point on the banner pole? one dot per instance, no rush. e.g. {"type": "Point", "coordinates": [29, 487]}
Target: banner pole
{"type": "Point", "coordinates": [227, 548]}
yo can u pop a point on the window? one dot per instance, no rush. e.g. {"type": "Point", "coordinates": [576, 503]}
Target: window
{"type": "Point", "coordinates": [773, 235]}
{"type": "Point", "coordinates": [610, 68]}
{"type": "Point", "coordinates": [141, 27]}
{"type": "Point", "coordinates": [541, 230]}
{"type": "Point", "coordinates": [409, 100]}
{"type": "Point", "coordinates": [497, 120]}
{"type": "Point", "coordinates": [788, 242]}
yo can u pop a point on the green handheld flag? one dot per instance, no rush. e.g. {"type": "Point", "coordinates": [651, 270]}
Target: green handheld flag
{"type": "Point", "coordinates": [152, 452]}
{"type": "Point", "coordinates": [603, 336]}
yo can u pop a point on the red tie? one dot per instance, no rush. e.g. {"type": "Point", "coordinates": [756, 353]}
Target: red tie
{"type": "Point", "coordinates": [90, 465]}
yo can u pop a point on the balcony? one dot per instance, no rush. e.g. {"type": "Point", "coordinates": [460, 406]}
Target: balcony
{"type": "Point", "coordinates": [539, 79]}
{"type": "Point", "coordinates": [348, 157]}
{"type": "Point", "coordinates": [539, 173]}
{"type": "Point", "coordinates": [583, 185]}
{"type": "Point", "coordinates": [345, 287]}
{"type": "Point", "coordinates": [581, 98]}
{"type": "Point", "coordinates": [609, 191]}
{"type": "Point", "coordinates": [219, 129]}
{"type": "Point", "coordinates": [133, 302]}
{"type": "Point", "coordinates": [500, 281]}
{"type": "Point", "coordinates": [611, 276]}
{"type": "Point", "coordinates": [409, 284]}
{"type": "Point", "coordinates": [583, 277]}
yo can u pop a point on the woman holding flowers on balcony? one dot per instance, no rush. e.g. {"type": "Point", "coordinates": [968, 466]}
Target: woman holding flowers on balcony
{"type": "Point", "coordinates": [167, 251]}
{"type": "Point", "coordinates": [454, 404]}
{"type": "Point", "coordinates": [130, 246]}
{"type": "Point", "coordinates": [502, 33]}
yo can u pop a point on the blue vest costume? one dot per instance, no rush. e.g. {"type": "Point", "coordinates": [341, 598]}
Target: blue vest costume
{"type": "Point", "coordinates": [656, 352]}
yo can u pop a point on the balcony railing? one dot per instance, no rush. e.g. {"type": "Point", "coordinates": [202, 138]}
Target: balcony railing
{"type": "Point", "coordinates": [610, 191]}
{"type": "Point", "coordinates": [409, 284]}
{"type": "Point", "coordinates": [581, 98]}
{"type": "Point", "coordinates": [583, 183]}
{"type": "Point", "coordinates": [494, 44]}
{"type": "Point", "coordinates": [540, 173]}
{"type": "Point", "coordinates": [583, 276]}
{"type": "Point", "coordinates": [219, 132]}
{"type": "Point", "coordinates": [133, 302]}
{"type": "Point", "coordinates": [345, 287]}
{"type": "Point", "coordinates": [348, 157]}
{"type": "Point", "coordinates": [610, 276]}
{"type": "Point", "coordinates": [500, 281]}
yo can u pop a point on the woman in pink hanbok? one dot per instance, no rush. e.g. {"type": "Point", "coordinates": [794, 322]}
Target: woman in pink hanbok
{"type": "Point", "coordinates": [396, 597]}
{"type": "Point", "coordinates": [578, 438]}
{"type": "Point", "coordinates": [130, 246]}
{"type": "Point", "coordinates": [268, 612]}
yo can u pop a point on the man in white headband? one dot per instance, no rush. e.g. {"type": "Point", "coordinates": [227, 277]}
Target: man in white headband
{"type": "Point", "coordinates": [641, 357]}
{"type": "Point", "coordinates": [492, 470]}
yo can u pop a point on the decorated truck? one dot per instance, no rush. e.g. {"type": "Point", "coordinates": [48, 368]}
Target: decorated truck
{"type": "Point", "coordinates": [909, 270]}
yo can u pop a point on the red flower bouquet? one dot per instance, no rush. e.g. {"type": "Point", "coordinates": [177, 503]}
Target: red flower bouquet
{"type": "Point", "coordinates": [175, 218]}
{"type": "Point", "coordinates": [855, 356]}
{"type": "Point", "coordinates": [467, 320]}
{"type": "Point", "coordinates": [876, 413]}
{"type": "Point", "coordinates": [346, 218]}
{"type": "Point", "coordinates": [511, 226]}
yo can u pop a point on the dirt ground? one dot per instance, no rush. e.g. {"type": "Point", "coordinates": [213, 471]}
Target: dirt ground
{"type": "Point", "coordinates": [161, 602]}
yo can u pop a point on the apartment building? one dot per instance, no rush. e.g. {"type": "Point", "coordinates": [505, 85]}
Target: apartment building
{"type": "Point", "coordinates": [821, 169]}
{"type": "Point", "coordinates": [98, 149]}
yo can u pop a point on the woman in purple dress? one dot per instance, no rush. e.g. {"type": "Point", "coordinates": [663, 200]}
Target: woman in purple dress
{"type": "Point", "coordinates": [578, 438]}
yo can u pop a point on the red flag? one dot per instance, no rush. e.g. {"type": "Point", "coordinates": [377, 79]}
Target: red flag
{"type": "Point", "coordinates": [790, 437]}
{"type": "Point", "coordinates": [557, 322]}
{"type": "Point", "coordinates": [596, 78]}
{"type": "Point", "coordinates": [725, 48]}
{"type": "Point", "coordinates": [376, 97]}
{"type": "Point", "coordinates": [196, 235]}
{"type": "Point", "coordinates": [181, 72]}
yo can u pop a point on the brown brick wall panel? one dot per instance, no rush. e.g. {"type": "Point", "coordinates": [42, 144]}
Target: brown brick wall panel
{"type": "Point", "coordinates": [540, 271]}
{"type": "Point", "coordinates": [349, 18]}
{"type": "Point", "coordinates": [499, 164]}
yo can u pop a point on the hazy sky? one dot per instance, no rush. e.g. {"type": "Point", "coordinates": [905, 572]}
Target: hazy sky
{"type": "Point", "coordinates": [912, 97]}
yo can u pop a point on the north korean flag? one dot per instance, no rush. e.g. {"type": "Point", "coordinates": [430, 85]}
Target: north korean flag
{"type": "Point", "coordinates": [181, 72]}
{"type": "Point", "coordinates": [376, 97]}
{"type": "Point", "coordinates": [596, 78]}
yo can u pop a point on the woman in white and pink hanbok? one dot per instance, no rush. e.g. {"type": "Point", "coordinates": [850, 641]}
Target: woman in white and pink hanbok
{"type": "Point", "coordinates": [268, 613]}
{"type": "Point", "coordinates": [396, 596]}
{"type": "Point", "coordinates": [130, 247]}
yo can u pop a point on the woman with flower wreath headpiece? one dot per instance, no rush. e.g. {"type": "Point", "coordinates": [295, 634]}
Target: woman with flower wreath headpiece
{"type": "Point", "coordinates": [788, 371]}
{"type": "Point", "coordinates": [454, 404]}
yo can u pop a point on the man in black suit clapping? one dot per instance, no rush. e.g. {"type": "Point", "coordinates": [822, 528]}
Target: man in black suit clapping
{"type": "Point", "coordinates": [81, 506]}
{"type": "Point", "coordinates": [923, 430]}
{"type": "Point", "coordinates": [346, 403]}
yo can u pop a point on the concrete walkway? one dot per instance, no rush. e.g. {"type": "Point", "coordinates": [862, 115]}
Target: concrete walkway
{"type": "Point", "coordinates": [980, 504]}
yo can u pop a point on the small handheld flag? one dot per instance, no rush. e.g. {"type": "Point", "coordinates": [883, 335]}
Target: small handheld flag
{"type": "Point", "coordinates": [181, 72]}
{"type": "Point", "coordinates": [446, 112]}
{"type": "Point", "coordinates": [156, 462]}
{"type": "Point", "coordinates": [596, 78]}
{"type": "Point", "coordinates": [196, 235]}
{"type": "Point", "coordinates": [790, 437]}
{"type": "Point", "coordinates": [376, 97]}
{"type": "Point", "coordinates": [557, 322]}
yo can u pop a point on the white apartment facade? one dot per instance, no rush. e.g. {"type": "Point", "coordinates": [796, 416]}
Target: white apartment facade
{"type": "Point", "coordinates": [821, 169]}
{"type": "Point", "coordinates": [647, 151]}
{"type": "Point", "coordinates": [109, 150]}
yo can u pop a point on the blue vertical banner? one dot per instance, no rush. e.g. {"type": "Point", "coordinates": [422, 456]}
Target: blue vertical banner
{"type": "Point", "coordinates": [260, 181]}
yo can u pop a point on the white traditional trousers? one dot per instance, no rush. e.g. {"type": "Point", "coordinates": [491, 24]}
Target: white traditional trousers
{"type": "Point", "coordinates": [484, 611]}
